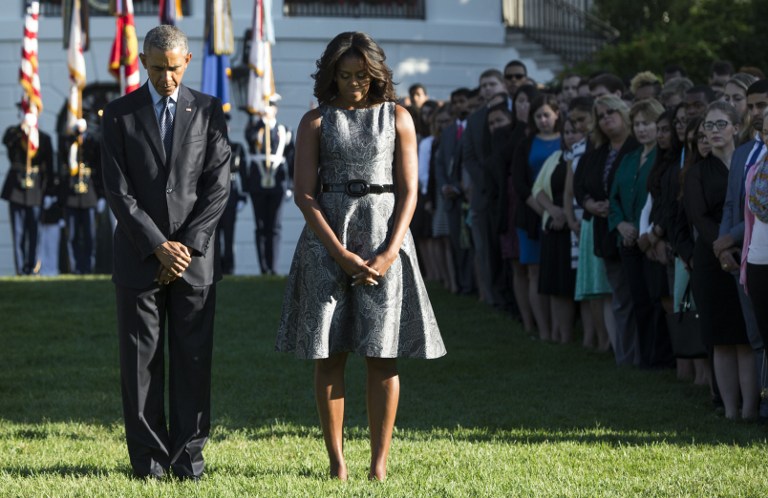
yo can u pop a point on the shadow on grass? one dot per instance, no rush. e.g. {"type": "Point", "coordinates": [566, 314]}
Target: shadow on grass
{"type": "Point", "coordinates": [62, 471]}
{"type": "Point", "coordinates": [495, 384]}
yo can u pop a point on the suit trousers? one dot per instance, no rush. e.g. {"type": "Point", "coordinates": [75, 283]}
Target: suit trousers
{"type": "Point", "coordinates": [267, 207]}
{"type": "Point", "coordinates": [486, 253]}
{"type": "Point", "coordinates": [626, 348]}
{"type": "Point", "coordinates": [81, 237]}
{"type": "Point", "coordinates": [154, 446]}
{"type": "Point", "coordinates": [463, 257]}
{"type": "Point", "coordinates": [24, 224]}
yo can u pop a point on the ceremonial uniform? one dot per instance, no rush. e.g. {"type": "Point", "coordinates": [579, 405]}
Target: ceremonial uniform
{"type": "Point", "coordinates": [23, 189]}
{"type": "Point", "coordinates": [225, 230]}
{"type": "Point", "coordinates": [81, 190]}
{"type": "Point", "coordinates": [267, 186]}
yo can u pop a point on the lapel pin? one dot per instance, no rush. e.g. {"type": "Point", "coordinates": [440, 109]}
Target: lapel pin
{"type": "Point", "coordinates": [188, 109]}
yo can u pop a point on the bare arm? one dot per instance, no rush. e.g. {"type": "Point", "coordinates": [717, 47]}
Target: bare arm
{"type": "Point", "coordinates": [306, 161]}
{"type": "Point", "coordinates": [406, 183]}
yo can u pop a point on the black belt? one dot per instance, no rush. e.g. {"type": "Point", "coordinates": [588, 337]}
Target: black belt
{"type": "Point", "coordinates": [357, 188]}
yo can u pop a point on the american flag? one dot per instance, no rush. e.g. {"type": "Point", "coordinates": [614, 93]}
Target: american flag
{"type": "Point", "coordinates": [261, 81]}
{"type": "Point", "coordinates": [125, 48]}
{"type": "Point", "coordinates": [31, 102]}
{"type": "Point", "coordinates": [76, 64]}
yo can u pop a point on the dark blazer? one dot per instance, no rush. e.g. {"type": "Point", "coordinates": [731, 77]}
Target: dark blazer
{"type": "Point", "coordinates": [733, 209]}
{"type": "Point", "coordinates": [476, 145]}
{"type": "Point", "coordinates": [588, 184]}
{"type": "Point", "coordinates": [13, 190]}
{"type": "Point", "coordinates": [155, 198]}
{"type": "Point", "coordinates": [447, 161]}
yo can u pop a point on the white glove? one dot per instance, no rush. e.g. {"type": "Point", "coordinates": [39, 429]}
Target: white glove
{"type": "Point", "coordinates": [62, 223]}
{"type": "Point", "coordinates": [288, 195]}
{"type": "Point", "coordinates": [48, 201]}
{"type": "Point", "coordinates": [240, 205]}
{"type": "Point", "coordinates": [101, 205]}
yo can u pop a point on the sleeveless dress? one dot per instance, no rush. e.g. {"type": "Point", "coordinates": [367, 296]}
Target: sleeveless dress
{"type": "Point", "coordinates": [322, 313]}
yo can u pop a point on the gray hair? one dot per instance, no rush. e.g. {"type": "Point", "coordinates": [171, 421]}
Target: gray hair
{"type": "Point", "coordinates": [166, 37]}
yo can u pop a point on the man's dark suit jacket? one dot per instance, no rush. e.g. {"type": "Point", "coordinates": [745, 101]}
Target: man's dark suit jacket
{"type": "Point", "coordinates": [155, 198]}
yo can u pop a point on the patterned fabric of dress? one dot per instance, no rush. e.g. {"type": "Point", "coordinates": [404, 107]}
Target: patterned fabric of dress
{"type": "Point", "coordinates": [322, 313]}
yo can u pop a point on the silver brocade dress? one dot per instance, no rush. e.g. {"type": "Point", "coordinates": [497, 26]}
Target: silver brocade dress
{"type": "Point", "coordinates": [322, 313]}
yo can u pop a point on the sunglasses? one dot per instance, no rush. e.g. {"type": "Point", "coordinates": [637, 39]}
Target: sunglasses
{"type": "Point", "coordinates": [514, 76]}
{"type": "Point", "coordinates": [721, 124]}
{"type": "Point", "coordinates": [608, 112]}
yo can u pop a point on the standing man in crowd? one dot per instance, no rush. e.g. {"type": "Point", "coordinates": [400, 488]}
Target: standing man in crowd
{"type": "Point", "coordinates": [515, 76]}
{"type": "Point", "coordinates": [24, 186]}
{"type": "Point", "coordinates": [268, 181]}
{"type": "Point", "coordinates": [476, 146]}
{"type": "Point", "coordinates": [165, 157]}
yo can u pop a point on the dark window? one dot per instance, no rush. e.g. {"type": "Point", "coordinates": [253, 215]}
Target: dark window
{"type": "Point", "coordinates": [52, 8]}
{"type": "Point", "coordinates": [402, 9]}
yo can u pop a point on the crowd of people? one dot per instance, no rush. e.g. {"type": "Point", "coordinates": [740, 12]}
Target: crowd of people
{"type": "Point", "coordinates": [639, 207]}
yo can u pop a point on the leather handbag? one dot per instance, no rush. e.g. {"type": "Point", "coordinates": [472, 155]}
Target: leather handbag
{"type": "Point", "coordinates": [685, 329]}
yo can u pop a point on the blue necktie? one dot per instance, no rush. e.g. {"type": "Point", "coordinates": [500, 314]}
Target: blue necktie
{"type": "Point", "coordinates": [166, 126]}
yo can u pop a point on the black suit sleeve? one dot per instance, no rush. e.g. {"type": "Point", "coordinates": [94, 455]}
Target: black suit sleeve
{"type": "Point", "coordinates": [213, 186]}
{"type": "Point", "coordinates": [120, 191]}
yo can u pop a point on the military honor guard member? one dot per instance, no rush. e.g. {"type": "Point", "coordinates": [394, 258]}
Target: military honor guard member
{"type": "Point", "coordinates": [82, 190]}
{"type": "Point", "coordinates": [24, 186]}
{"type": "Point", "coordinates": [225, 231]}
{"type": "Point", "coordinates": [269, 179]}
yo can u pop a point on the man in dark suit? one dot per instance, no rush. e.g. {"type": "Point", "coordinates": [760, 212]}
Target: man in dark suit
{"type": "Point", "coordinates": [448, 184]}
{"type": "Point", "coordinates": [476, 147]}
{"type": "Point", "coordinates": [165, 159]}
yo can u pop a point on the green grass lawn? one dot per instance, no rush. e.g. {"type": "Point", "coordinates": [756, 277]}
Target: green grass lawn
{"type": "Point", "coordinates": [501, 415]}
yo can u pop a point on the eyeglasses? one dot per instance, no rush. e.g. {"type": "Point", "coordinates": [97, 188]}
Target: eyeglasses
{"type": "Point", "coordinates": [721, 124]}
{"type": "Point", "coordinates": [516, 76]}
{"type": "Point", "coordinates": [608, 112]}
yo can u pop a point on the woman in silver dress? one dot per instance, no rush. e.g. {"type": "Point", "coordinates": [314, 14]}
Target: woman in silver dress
{"type": "Point", "coordinates": [354, 283]}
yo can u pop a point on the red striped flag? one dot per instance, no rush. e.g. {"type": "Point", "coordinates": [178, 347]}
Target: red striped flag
{"type": "Point", "coordinates": [125, 48]}
{"type": "Point", "coordinates": [31, 102]}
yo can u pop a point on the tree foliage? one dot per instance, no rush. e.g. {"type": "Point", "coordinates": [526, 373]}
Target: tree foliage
{"type": "Point", "coordinates": [692, 33]}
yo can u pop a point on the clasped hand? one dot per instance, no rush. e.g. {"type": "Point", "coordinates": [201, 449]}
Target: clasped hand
{"type": "Point", "coordinates": [174, 258]}
{"type": "Point", "coordinates": [365, 272]}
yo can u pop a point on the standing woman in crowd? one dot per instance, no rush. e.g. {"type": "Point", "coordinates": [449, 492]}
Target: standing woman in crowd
{"type": "Point", "coordinates": [592, 181]}
{"type": "Point", "coordinates": [714, 290]}
{"type": "Point", "coordinates": [521, 102]}
{"type": "Point", "coordinates": [542, 142]}
{"type": "Point", "coordinates": [735, 93]}
{"type": "Point", "coordinates": [754, 260]}
{"type": "Point", "coordinates": [354, 284]}
{"type": "Point", "coordinates": [591, 289]}
{"type": "Point", "coordinates": [629, 193]}
{"type": "Point", "coordinates": [557, 277]}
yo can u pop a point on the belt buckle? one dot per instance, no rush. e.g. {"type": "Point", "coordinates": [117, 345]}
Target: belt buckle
{"type": "Point", "coordinates": [356, 188]}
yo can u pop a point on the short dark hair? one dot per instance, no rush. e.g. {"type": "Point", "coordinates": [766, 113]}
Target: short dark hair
{"type": "Point", "coordinates": [759, 86]}
{"type": "Point", "coordinates": [412, 89]}
{"type": "Point", "coordinates": [705, 89]}
{"type": "Point", "coordinates": [721, 67]}
{"type": "Point", "coordinates": [461, 92]}
{"type": "Point", "coordinates": [517, 63]}
{"type": "Point", "coordinates": [610, 81]}
{"type": "Point", "coordinates": [492, 73]}
{"type": "Point", "coordinates": [356, 44]}
{"type": "Point", "coordinates": [675, 68]}
{"type": "Point", "coordinates": [474, 92]}
{"type": "Point", "coordinates": [500, 108]}
{"type": "Point", "coordinates": [583, 104]}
